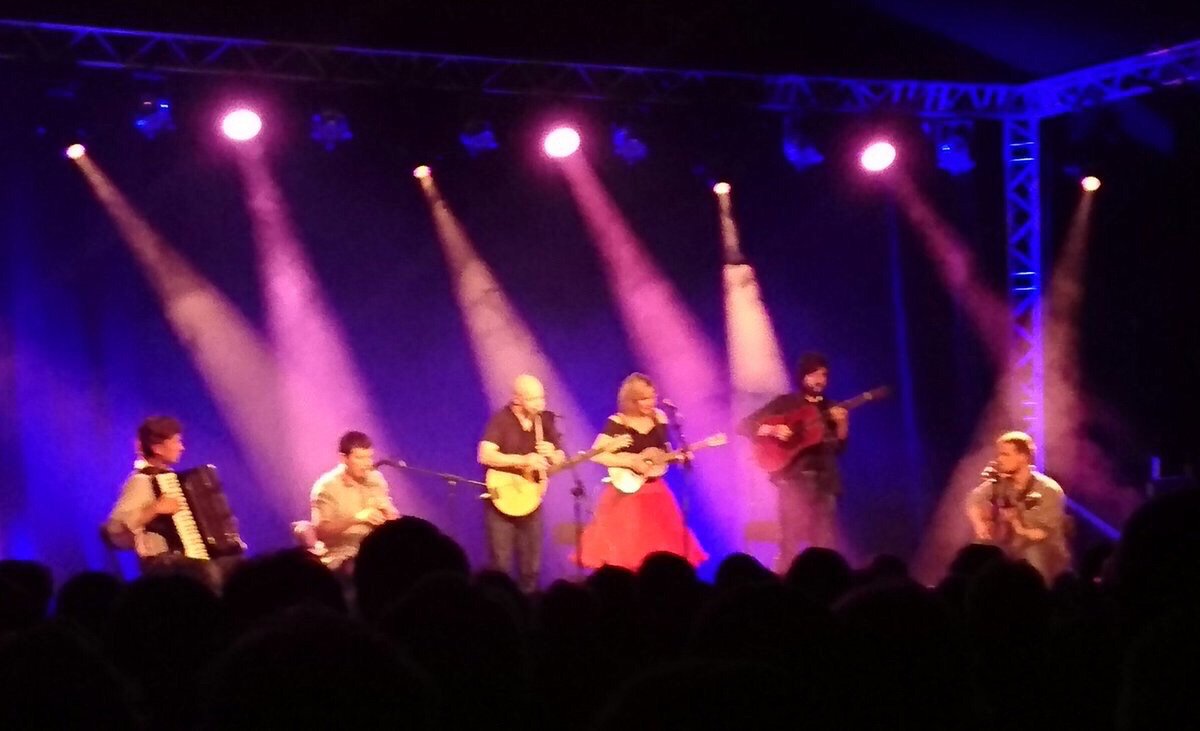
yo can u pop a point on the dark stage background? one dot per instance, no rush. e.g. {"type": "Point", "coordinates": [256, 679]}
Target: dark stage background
{"type": "Point", "coordinates": [85, 352]}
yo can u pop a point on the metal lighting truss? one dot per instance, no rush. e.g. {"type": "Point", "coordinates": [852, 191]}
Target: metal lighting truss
{"type": "Point", "coordinates": [1023, 226]}
{"type": "Point", "coordinates": [107, 48]}
{"type": "Point", "coordinates": [1019, 109]}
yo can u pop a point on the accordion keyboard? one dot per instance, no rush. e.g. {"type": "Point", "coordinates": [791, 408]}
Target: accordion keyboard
{"type": "Point", "coordinates": [185, 522]}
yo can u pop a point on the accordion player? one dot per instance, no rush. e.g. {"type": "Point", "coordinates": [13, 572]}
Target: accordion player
{"type": "Point", "coordinates": [201, 527]}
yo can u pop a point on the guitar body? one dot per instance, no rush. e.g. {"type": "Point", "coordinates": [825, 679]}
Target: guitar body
{"type": "Point", "coordinates": [629, 481]}
{"type": "Point", "coordinates": [656, 461]}
{"type": "Point", "coordinates": [515, 495]}
{"type": "Point", "coordinates": [807, 423]}
{"type": "Point", "coordinates": [808, 430]}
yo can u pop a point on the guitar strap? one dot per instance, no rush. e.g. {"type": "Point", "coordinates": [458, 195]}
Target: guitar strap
{"type": "Point", "coordinates": [538, 437]}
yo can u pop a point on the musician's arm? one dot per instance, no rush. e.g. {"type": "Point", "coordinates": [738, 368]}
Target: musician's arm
{"type": "Point", "coordinates": [384, 498]}
{"type": "Point", "coordinates": [841, 425]}
{"type": "Point", "coordinates": [328, 519]}
{"type": "Point", "coordinates": [750, 425]}
{"type": "Point", "coordinates": [611, 459]}
{"type": "Point", "coordinates": [133, 510]}
{"type": "Point", "coordinates": [552, 435]}
{"type": "Point", "coordinates": [977, 510]}
{"type": "Point", "coordinates": [489, 455]}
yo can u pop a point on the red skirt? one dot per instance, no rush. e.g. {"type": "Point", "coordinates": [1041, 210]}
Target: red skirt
{"type": "Point", "coordinates": [627, 528]}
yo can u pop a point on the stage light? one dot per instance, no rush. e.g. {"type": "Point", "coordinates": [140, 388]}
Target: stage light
{"type": "Point", "coordinates": [721, 188]}
{"type": "Point", "coordinates": [561, 142]}
{"type": "Point", "coordinates": [627, 146]}
{"type": "Point", "coordinates": [478, 137]}
{"type": "Point", "coordinates": [422, 171]}
{"type": "Point", "coordinates": [330, 128]}
{"type": "Point", "coordinates": [954, 156]}
{"type": "Point", "coordinates": [1091, 183]}
{"type": "Point", "coordinates": [76, 151]}
{"type": "Point", "coordinates": [878, 156]}
{"type": "Point", "coordinates": [241, 125]}
{"type": "Point", "coordinates": [154, 117]}
{"type": "Point", "coordinates": [798, 148]}
{"type": "Point", "coordinates": [951, 145]}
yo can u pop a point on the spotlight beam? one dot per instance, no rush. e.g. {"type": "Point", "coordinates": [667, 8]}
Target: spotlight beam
{"type": "Point", "coordinates": [667, 338]}
{"type": "Point", "coordinates": [1086, 469]}
{"type": "Point", "coordinates": [236, 365]}
{"type": "Point", "coordinates": [957, 269]}
{"type": "Point", "coordinates": [504, 347]}
{"type": "Point", "coordinates": [323, 394]}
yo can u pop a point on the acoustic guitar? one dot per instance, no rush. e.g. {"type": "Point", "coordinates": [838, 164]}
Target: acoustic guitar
{"type": "Point", "coordinates": [656, 461]}
{"type": "Point", "coordinates": [808, 430]}
{"type": "Point", "coordinates": [516, 495]}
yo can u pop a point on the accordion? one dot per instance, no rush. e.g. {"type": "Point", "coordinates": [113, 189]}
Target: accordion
{"type": "Point", "coordinates": [204, 527]}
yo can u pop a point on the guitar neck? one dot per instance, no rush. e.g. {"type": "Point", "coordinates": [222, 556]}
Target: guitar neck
{"type": "Point", "coordinates": [678, 453]}
{"type": "Point", "coordinates": [859, 400]}
{"type": "Point", "coordinates": [572, 461]}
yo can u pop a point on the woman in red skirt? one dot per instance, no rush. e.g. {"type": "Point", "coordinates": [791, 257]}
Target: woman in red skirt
{"type": "Point", "coordinates": [627, 527]}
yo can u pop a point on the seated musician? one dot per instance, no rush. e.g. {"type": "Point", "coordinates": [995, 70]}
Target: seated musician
{"type": "Point", "coordinates": [349, 501]}
{"type": "Point", "coordinates": [1020, 509]}
{"type": "Point", "coordinates": [151, 515]}
{"type": "Point", "coordinates": [809, 485]}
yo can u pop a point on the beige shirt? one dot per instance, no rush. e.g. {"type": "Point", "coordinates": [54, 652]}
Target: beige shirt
{"type": "Point", "coordinates": [1039, 504]}
{"type": "Point", "coordinates": [336, 498]}
{"type": "Point", "coordinates": [123, 526]}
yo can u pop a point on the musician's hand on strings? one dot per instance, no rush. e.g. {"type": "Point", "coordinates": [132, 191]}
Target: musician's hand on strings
{"type": "Point", "coordinates": [782, 432]}
{"type": "Point", "coordinates": [983, 532]}
{"type": "Point", "coordinates": [165, 505]}
{"type": "Point", "coordinates": [536, 462]}
{"type": "Point", "coordinates": [545, 449]}
{"type": "Point", "coordinates": [619, 442]}
{"type": "Point", "coordinates": [637, 463]}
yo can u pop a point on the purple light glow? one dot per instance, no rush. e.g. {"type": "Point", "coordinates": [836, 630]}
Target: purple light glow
{"type": "Point", "coordinates": [561, 142]}
{"type": "Point", "coordinates": [241, 125]}
{"type": "Point", "coordinates": [878, 156]}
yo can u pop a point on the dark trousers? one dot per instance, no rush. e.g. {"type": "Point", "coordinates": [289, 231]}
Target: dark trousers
{"type": "Point", "coordinates": [807, 515]}
{"type": "Point", "coordinates": [521, 536]}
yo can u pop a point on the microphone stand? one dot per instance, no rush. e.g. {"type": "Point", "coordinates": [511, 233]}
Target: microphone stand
{"type": "Point", "coordinates": [452, 480]}
{"type": "Point", "coordinates": [577, 494]}
{"type": "Point", "coordinates": [685, 495]}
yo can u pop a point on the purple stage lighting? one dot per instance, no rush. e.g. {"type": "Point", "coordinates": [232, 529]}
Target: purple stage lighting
{"type": "Point", "coordinates": [878, 156]}
{"type": "Point", "coordinates": [241, 125]}
{"type": "Point", "coordinates": [561, 142]}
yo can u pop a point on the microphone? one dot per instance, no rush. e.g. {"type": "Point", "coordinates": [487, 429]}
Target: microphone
{"type": "Point", "coordinates": [397, 463]}
{"type": "Point", "coordinates": [990, 473]}
{"type": "Point", "coordinates": [669, 405]}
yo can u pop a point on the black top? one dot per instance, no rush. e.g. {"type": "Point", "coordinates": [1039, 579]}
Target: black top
{"type": "Point", "coordinates": [820, 458]}
{"type": "Point", "coordinates": [656, 437]}
{"type": "Point", "coordinates": [505, 431]}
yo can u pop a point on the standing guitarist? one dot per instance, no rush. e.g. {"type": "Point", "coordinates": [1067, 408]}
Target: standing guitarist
{"type": "Point", "coordinates": [810, 483]}
{"type": "Point", "coordinates": [521, 436]}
